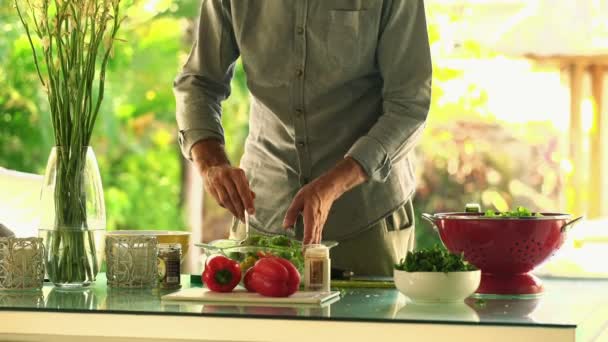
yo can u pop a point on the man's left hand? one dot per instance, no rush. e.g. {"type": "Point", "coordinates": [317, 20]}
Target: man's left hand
{"type": "Point", "coordinates": [315, 199]}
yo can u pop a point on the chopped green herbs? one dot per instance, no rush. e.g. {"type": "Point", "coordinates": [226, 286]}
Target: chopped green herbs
{"type": "Point", "coordinates": [436, 259]}
{"type": "Point", "coordinates": [519, 212]}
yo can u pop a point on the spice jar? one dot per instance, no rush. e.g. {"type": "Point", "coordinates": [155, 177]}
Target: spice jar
{"type": "Point", "coordinates": [317, 267]}
{"type": "Point", "coordinates": [169, 257]}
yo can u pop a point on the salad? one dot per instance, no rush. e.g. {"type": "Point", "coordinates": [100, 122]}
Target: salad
{"type": "Point", "coordinates": [258, 246]}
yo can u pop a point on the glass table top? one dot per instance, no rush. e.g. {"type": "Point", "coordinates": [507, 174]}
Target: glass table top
{"type": "Point", "coordinates": [566, 303]}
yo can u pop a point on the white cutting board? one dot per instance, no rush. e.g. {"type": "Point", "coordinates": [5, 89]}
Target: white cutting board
{"type": "Point", "coordinates": [241, 296]}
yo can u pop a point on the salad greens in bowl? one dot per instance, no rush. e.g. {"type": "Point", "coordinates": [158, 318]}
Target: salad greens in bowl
{"type": "Point", "coordinates": [436, 276]}
{"type": "Point", "coordinates": [256, 246]}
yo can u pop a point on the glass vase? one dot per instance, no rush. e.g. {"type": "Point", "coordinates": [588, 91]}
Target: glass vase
{"type": "Point", "coordinates": [73, 218]}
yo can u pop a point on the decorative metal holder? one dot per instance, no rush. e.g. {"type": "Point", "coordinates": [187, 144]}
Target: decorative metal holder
{"type": "Point", "coordinates": [131, 261]}
{"type": "Point", "coordinates": [21, 263]}
{"type": "Point", "coordinates": [22, 299]}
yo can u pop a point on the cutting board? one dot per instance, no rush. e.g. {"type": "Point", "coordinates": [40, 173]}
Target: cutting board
{"type": "Point", "coordinates": [241, 296]}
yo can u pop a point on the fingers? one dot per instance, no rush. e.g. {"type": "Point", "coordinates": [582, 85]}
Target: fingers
{"type": "Point", "coordinates": [226, 201]}
{"type": "Point", "coordinates": [314, 220]}
{"type": "Point", "coordinates": [314, 214]}
{"type": "Point", "coordinates": [235, 198]}
{"type": "Point", "coordinates": [230, 188]}
{"type": "Point", "coordinates": [319, 232]}
{"type": "Point", "coordinates": [245, 194]}
{"type": "Point", "coordinates": [222, 197]}
{"type": "Point", "coordinates": [292, 212]}
{"type": "Point", "coordinates": [215, 195]}
{"type": "Point", "coordinates": [309, 225]}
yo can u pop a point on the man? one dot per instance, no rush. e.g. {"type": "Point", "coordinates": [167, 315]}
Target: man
{"type": "Point", "coordinates": [340, 91]}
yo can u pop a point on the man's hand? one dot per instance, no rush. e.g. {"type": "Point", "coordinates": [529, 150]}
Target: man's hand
{"type": "Point", "coordinates": [227, 184]}
{"type": "Point", "coordinates": [314, 200]}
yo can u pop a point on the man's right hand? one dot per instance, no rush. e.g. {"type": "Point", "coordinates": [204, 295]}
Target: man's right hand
{"type": "Point", "coordinates": [227, 184]}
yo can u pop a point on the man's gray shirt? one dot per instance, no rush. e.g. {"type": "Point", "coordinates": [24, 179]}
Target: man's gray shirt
{"type": "Point", "coordinates": [328, 79]}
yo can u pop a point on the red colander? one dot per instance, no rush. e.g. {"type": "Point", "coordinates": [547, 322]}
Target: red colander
{"type": "Point", "coordinates": [505, 249]}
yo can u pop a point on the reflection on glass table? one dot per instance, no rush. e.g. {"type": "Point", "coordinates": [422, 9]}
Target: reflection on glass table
{"type": "Point", "coordinates": [566, 303]}
{"type": "Point", "coordinates": [504, 309]}
{"type": "Point", "coordinates": [79, 299]}
{"type": "Point", "coordinates": [268, 311]}
{"type": "Point", "coordinates": [22, 299]}
{"type": "Point", "coordinates": [450, 312]}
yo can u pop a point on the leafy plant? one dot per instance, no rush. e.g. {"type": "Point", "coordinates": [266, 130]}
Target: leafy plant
{"type": "Point", "coordinates": [434, 259]}
{"type": "Point", "coordinates": [134, 136]}
{"type": "Point", "coordinates": [71, 42]}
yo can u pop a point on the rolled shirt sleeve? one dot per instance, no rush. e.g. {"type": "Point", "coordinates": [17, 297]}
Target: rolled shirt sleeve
{"type": "Point", "coordinates": [404, 60]}
{"type": "Point", "coordinates": [205, 78]}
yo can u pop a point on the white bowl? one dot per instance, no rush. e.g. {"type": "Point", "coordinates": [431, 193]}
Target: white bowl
{"type": "Point", "coordinates": [437, 287]}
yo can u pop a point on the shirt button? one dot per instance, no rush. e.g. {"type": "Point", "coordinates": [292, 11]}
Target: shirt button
{"type": "Point", "coordinates": [301, 144]}
{"type": "Point", "coordinates": [298, 112]}
{"type": "Point", "coordinates": [299, 72]}
{"type": "Point", "coordinates": [300, 30]}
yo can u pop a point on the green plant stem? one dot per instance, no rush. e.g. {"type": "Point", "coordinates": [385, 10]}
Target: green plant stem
{"type": "Point", "coordinates": [71, 219]}
{"type": "Point", "coordinates": [77, 38]}
{"type": "Point", "coordinates": [29, 38]}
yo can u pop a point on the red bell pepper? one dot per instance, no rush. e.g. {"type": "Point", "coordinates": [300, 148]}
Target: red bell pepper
{"type": "Point", "coordinates": [294, 276]}
{"type": "Point", "coordinates": [247, 280]}
{"type": "Point", "coordinates": [274, 277]}
{"type": "Point", "coordinates": [221, 274]}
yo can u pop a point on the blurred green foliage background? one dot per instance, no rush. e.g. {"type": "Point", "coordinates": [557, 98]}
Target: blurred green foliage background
{"type": "Point", "coordinates": [140, 162]}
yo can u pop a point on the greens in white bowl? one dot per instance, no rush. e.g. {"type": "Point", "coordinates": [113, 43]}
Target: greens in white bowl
{"type": "Point", "coordinates": [436, 259]}
{"type": "Point", "coordinates": [436, 276]}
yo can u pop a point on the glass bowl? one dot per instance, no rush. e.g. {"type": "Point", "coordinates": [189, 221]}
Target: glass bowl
{"type": "Point", "coordinates": [246, 254]}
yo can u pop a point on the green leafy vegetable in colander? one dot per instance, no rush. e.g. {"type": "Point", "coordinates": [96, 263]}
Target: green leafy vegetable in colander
{"type": "Point", "coordinates": [519, 212]}
{"type": "Point", "coordinates": [436, 259]}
